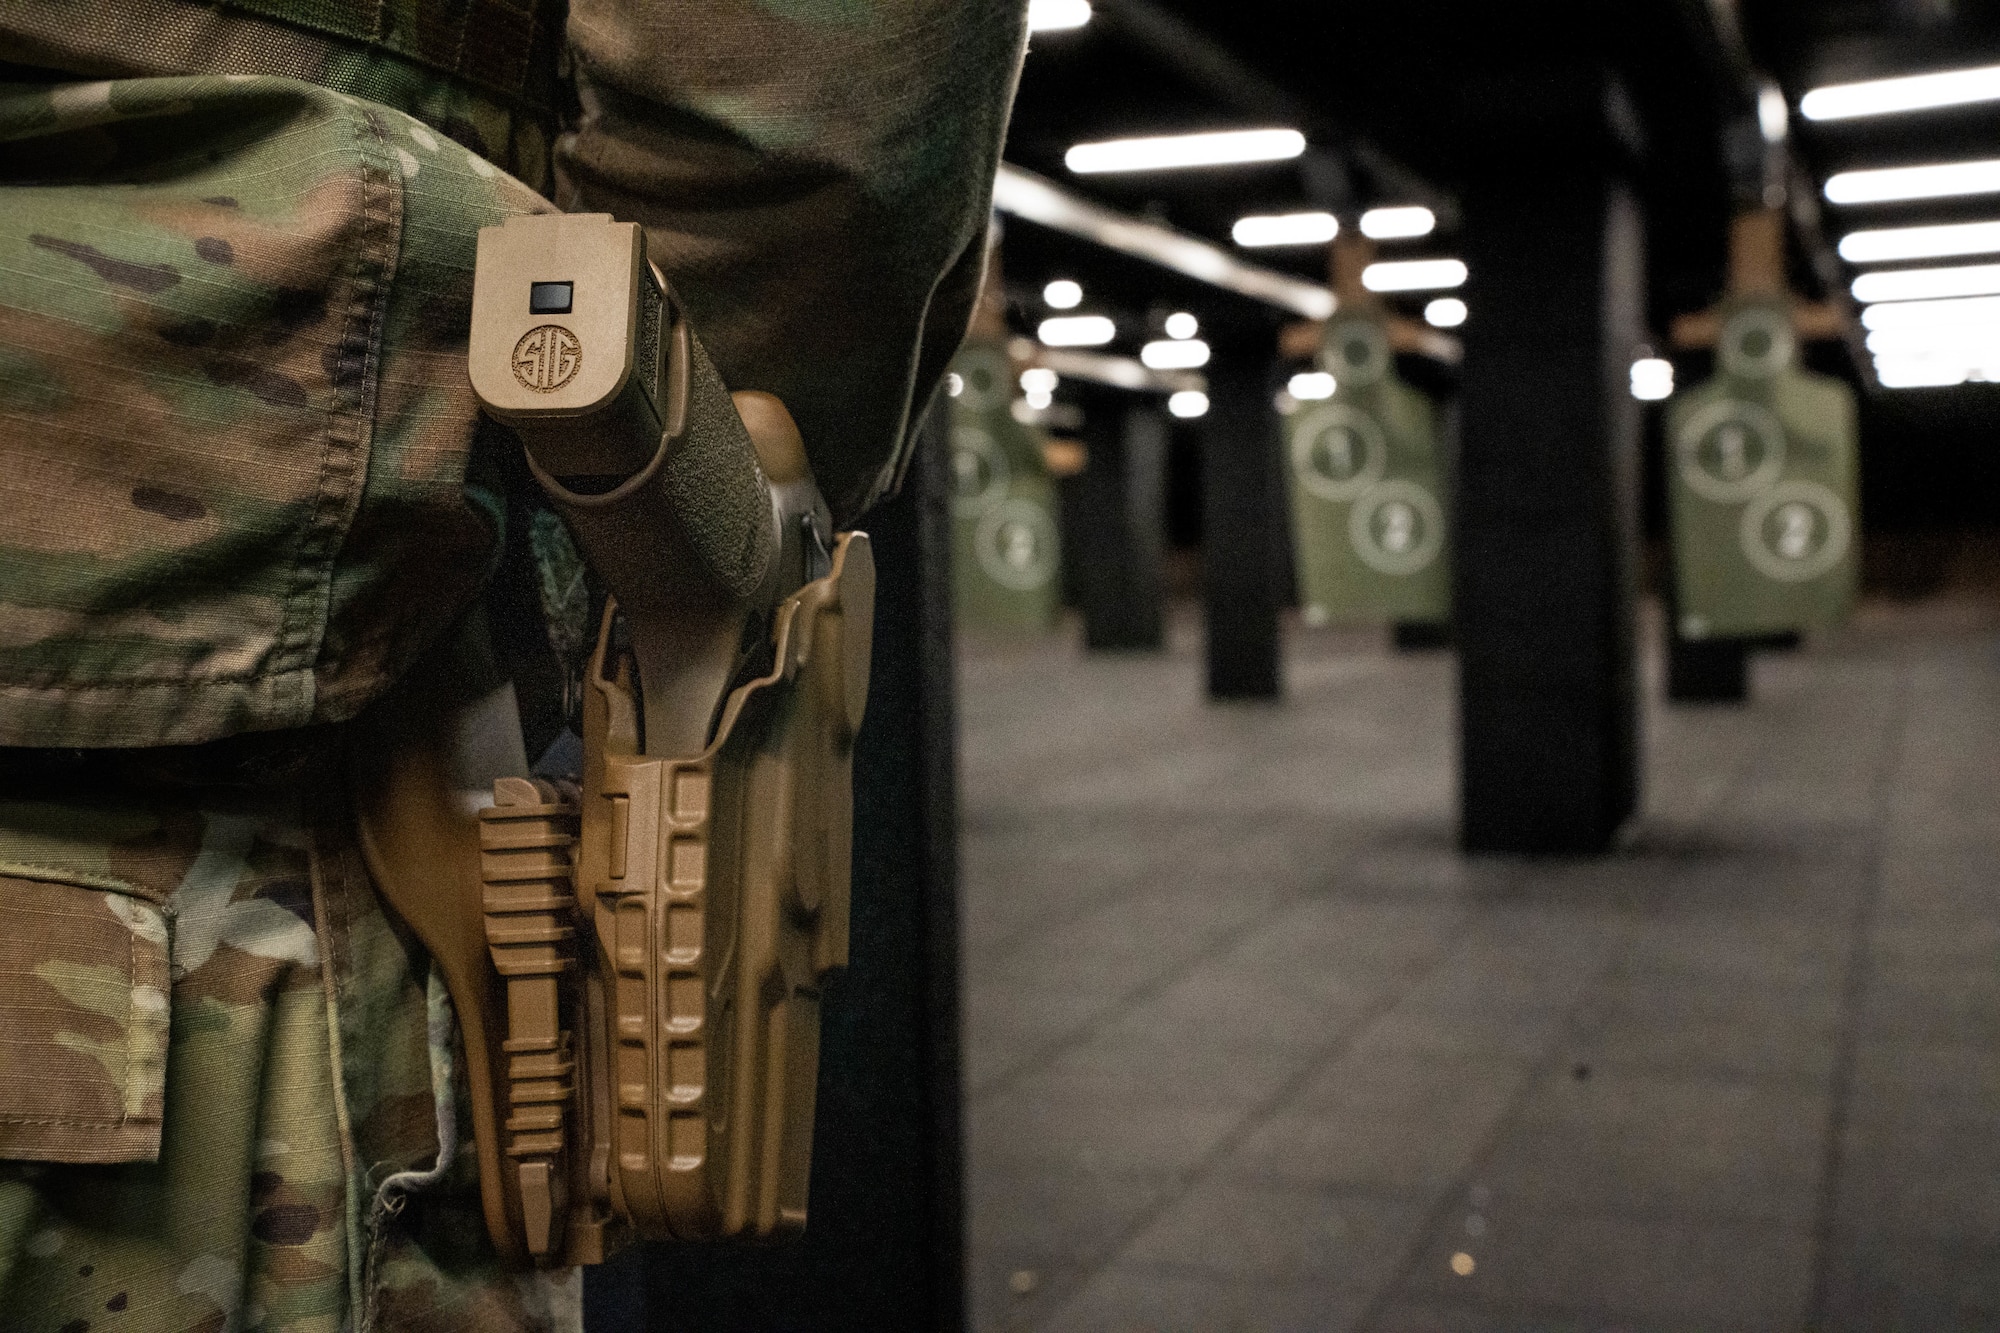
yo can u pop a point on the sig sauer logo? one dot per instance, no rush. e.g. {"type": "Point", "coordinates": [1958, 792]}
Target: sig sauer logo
{"type": "Point", "coordinates": [546, 358]}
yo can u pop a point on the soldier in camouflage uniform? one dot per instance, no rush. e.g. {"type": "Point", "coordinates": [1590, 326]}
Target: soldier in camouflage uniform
{"type": "Point", "coordinates": [243, 488]}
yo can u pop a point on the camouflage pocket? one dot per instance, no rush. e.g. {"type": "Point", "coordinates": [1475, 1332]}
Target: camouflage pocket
{"type": "Point", "coordinates": [238, 471]}
{"type": "Point", "coordinates": [84, 982]}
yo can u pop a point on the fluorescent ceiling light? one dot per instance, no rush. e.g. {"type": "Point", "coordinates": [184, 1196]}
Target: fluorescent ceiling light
{"type": "Point", "coordinates": [1174, 354]}
{"type": "Point", "coordinates": [1652, 379]}
{"type": "Point", "coordinates": [1057, 15]}
{"type": "Point", "coordinates": [1077, 331]}
{"type": "Point", "coordinates": [1062, 294]}
{"type": "Point", "coordinates": [1888, 244]}
{"type": "Point", "coordinates": [1937, 181]}
{"type": "Point", "coordinates": [1188, 403]}
{"type": "Point", "coordinates": [1181, 324]}
{"type": "Point", "coordinates": [1038, 379]}
{"type": "Point", "coordinates": [1921, 284]}
{"type": "Point", "coordinates": [1285, 229]}
{"type": "Point", "coordinates": [1023, 194]}
{"type": "Point", "coordinates": [1916, 92]}
{"type": "Point", "coordinates": [1962, 313]}
{"type": "Point", "coordinates": [1394, 224]}
{"type": "Point", "coordinates": [1447, 312]}
{"type": "Point", "coordinates": [1935, 341]}
{"type": "Point", "coordinates": [1311, 384]}
{"type": "Point", "coordinates": [1173, 151]}
{"type": "Point", "coordinates": [1773, 116]}
{"type": "Point", "coordinates": [1919, 372]}
{"type": "Point", "coordinates": [1413, 275]}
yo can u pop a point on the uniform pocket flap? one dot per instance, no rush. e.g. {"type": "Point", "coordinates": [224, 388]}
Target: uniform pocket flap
{"type": "Point", "coordinates": [84, 986]}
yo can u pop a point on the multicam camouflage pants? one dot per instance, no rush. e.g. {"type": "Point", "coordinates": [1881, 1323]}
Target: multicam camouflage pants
{"type": "Point", "coordinates": [239, 493]}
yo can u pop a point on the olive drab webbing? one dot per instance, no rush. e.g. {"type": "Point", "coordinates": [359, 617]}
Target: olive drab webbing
{"type": "Point", "coordinates": [1368, 503]}
{"type": "Point", "coordinates": [636, 960]}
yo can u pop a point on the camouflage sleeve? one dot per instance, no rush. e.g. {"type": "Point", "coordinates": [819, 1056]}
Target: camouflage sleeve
{"type": "Point", "coordinates": [814, 176]}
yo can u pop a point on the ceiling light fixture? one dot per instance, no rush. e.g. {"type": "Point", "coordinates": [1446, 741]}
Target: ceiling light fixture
{"type": "Point", "coordinates": [1898, 372]}
{"type": "Point", "coordinates": [1285, 229]}
{"type": "Point", "coordinates": [1309, 385]}
{"type": "Point", "coordinates": [1057, 15]}
{"type": "Point", "coordinates": [1063, 294]}
{"type": "Point", "coordinates": [1171, 152]}
{"type": "Point", "coordinates": [1077, 331]}
{"type": "Point", "coordinates": [1652, 379]}
{"type": "Point", "coordinates": [1413, 275]}
{"type": "Point", "coordinates": [1928, 284]}
{"type": "Point", "coordinates": [1891, 184]}
{"type": "Point", "coordinates": [1188, 404]}
{"type": "Point", "coordinates": [1174, 354]}
{"type": "Point", "coordinates": [1914, 92]}
{"type": "Point", "coordinates": [1954, 314]}
{"type": "Point", "coordinates": [1181, 324]}
{"type": "Point", "coordinates": [1395, 224]}
{"type": "Point", "coordinates": [1447, 312]}
{"type": "Point", "coordinates": [1889, 244]}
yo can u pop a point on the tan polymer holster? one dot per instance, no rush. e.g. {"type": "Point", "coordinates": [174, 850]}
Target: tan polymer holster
{"type": "Point", "coordinates": [636, 965]}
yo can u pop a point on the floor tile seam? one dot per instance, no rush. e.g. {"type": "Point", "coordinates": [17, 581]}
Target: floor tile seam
{"type": "Point", "coordinates": [1840, 1082]}
{"type": "Point", "coordinates": [1449, 1198]}
{"type": "Point", "coordinates": [1020, 941]}
{"type": "Point", "coordinates": [1261, 1112]}
{"type": "Point", "coordinates": [1314, 1279]}
{"type": "Point", "coordinates": [1043, 1056]}
{"type": "Point", "coordinates": [1553, 1055]}
{"type": "Point", "coordinates": [1544, 1310]}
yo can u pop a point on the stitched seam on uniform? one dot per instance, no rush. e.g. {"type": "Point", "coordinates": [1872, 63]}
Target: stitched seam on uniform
{"type": "Point", "coordinates": [122, 1122]}
{"type": "Point", "coordinates": [331, 936]}
{"type": "Point", "coordinates": [350, 426]}
{"type": "Point", "coordinates": [75, 879]}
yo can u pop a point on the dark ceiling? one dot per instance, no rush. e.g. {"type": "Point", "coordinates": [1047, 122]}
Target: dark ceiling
{"type": "Point", "coordinates": [1400, 101]}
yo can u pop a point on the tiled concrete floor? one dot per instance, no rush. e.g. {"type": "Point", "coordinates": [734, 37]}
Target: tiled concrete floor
{"type": "Point", "coordinates": [1251, 1047]}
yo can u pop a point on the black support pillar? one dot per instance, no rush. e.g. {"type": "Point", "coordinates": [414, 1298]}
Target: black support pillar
{"type": "Point", "coordinates": [1243, 517]}
{"type": "Point", "coordinates": [1114, 522]}
{"type": "Point", "coordinates": [883, 1249]}
{"type": "Point", "coordinates": [1546, 559]}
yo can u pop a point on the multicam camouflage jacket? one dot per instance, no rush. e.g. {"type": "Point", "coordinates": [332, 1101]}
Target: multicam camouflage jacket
{"type": "Point", "coordinates": [243, 487]}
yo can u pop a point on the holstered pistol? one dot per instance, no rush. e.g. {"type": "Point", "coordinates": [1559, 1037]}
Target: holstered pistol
{"type": "Point", "coordinates": [637, 964]}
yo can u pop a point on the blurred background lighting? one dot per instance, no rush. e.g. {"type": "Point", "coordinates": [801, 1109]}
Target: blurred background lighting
{"type": "Point", "coordinates": [1773, 115]}
{"type": "Point", "coordinates": [954, 384]}
{"type": "Point", "coordinates": [1285, 229]}
{"type": "Point", "coordinates": [1652, 379]}
{"type": "Point", "coordinates": [1919, 372]}
{"type": "Point", "coordinates": [1038, 379]}
{"type": "Point", "coordinates": [1394, 224]}
{"type": "Point", "coordinates": [1413, 275]}
{"type": "Point", "coordinates": [1062, 294]}
{"type": "Point", "coordinates": [1181, 324]}
{"type": "Point", "coordinates": [1922, 284]}
{"type": "Point", "coordinates": [1915, 92]}
{"type": "Point", "coordinates": [1309, 385]}
{"type": "Point", "coordinates": [1188, 404]}
{"type": "Point", "coordinates": [1175, 354]}
{"type": "Point", "coordinates": [1174, 151]}
{"type": "Point", "coordinates": [1447, 312]}
{"type": "Point", "coordinates": [1936, 181]}
{"type": "Point", "coordinates": [1057, 15]}
{"type": "Point", "coordinates": [1888, 244]}
{"type": "Point", "coordinates": [1933, 314]}
{"type": "Point", "coordinates": [1077, 331]}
